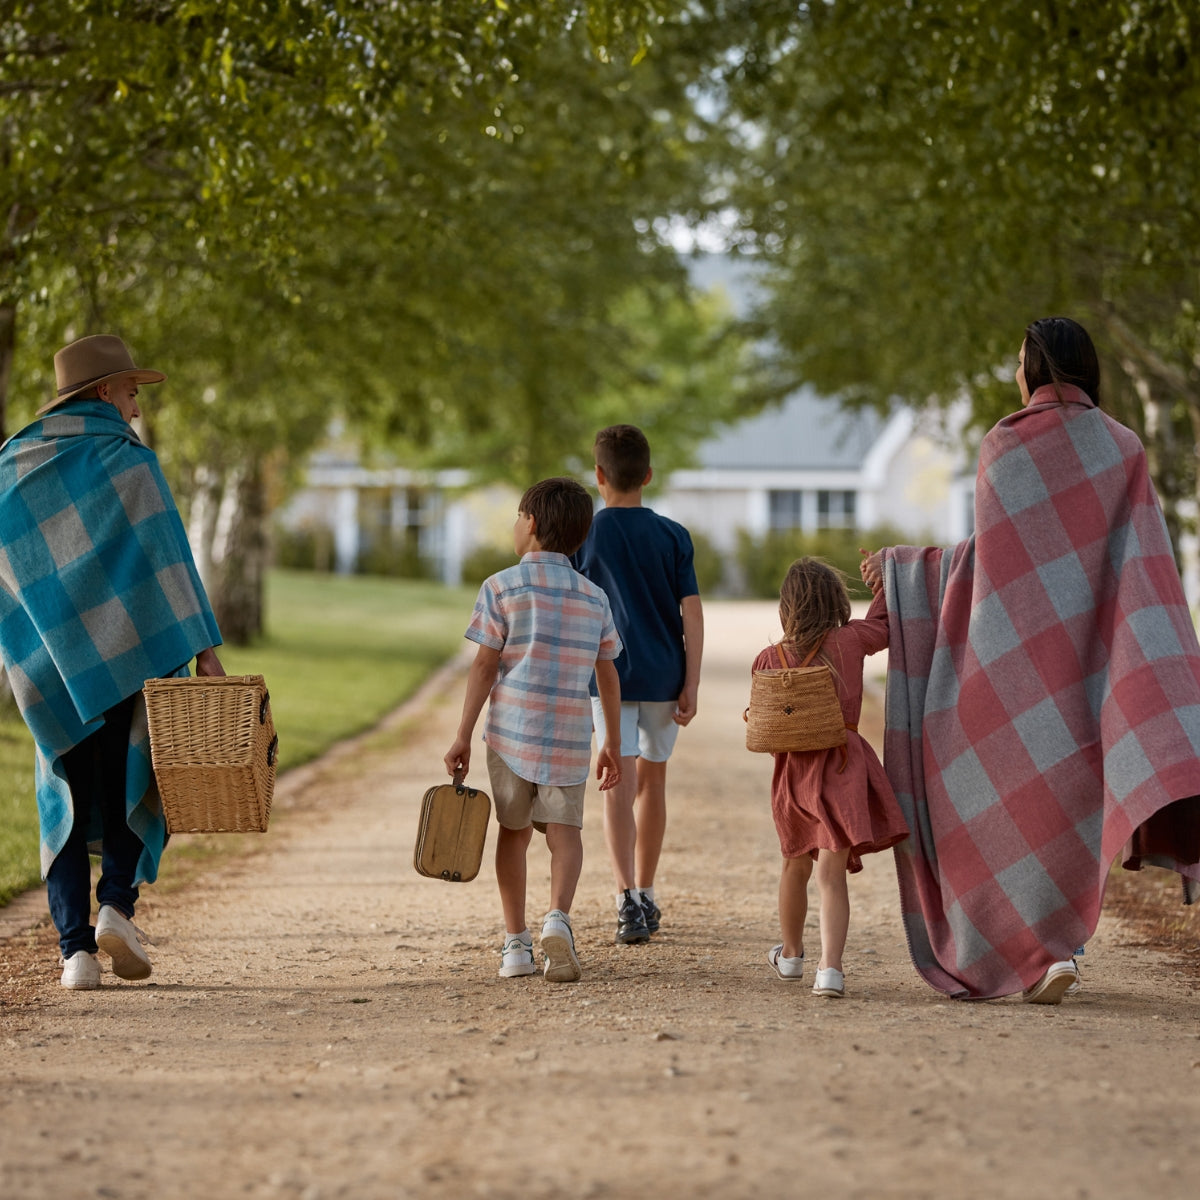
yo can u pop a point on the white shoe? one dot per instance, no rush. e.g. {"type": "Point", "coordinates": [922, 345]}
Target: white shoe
{"type": "Point", "coordinates": [517, 956]}
{"type": "Point", "coordinates": [1057, 982]}
{"type": "Point", "coordinates": [81, 972]}
{"type": "Point", "coordinates": [790, 969]}
{"type": "Point", "coordinates": [829, 982]}
{"type": "Point", "coordinates": [558, 945]}
{"type": "Point", "coordinates": [119, 937]}
{"type": "Point", "coordinates": [1073, 990]}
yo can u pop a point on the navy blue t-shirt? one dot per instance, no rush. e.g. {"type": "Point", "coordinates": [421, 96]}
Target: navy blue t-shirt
{"type": "Point", "coordinates": [644, 564]}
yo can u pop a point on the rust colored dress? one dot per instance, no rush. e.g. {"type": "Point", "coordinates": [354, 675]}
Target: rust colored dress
{"type": "Point", "coordinates": [816, 806]}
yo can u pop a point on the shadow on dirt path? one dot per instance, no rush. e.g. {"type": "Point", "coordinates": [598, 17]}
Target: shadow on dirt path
{"type": "Point", "coordinates": [323, 1022]}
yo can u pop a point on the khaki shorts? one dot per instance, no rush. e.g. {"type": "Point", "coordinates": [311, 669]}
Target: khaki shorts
{"type": "Point", "coordinates": [520, 803]}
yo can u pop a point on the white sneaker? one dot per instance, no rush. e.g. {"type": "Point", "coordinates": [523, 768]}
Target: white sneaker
{"type": "Point", "coordinates": [1053, 985]}
{"type": "Point", "coordinates": [81, 972]}
{"type": "Point", "coordinates": [558, 945]}
{"type": "Point", "coordinates": [829, 982]}
{"type": "Point", "coordinates": [119, 937]}
{"type": "Point", "coordinates": [1073, 990]}
{"type": "Point", "coordinates": [790, 969]}
{"type": "Point", "coordinates": [517, 956]}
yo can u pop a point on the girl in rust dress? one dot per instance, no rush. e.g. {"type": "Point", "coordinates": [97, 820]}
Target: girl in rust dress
{"type": "Point", "coordinates": [830, 806]}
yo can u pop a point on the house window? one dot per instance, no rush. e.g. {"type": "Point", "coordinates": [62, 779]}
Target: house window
{"type": "Point", "coordinates": [835, 510]}
{"type": "Point", "coordinates": [786, 508]}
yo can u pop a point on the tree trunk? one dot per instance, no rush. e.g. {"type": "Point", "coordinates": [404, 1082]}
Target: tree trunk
{"type": "Point", "coordinates": [203, 506]}
{"type": "Point", "coordinates": [8, 347]}
{"type": "Point", "coordinates": [1164, 453]}
{"type": "Point", "coordinates": [240, 554]}
{"type": "Point", "coordinates": [8, 342]}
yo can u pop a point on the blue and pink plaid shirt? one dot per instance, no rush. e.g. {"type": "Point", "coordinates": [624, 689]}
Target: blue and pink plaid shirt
{"type": "Point", "coordinates": [550, 626]}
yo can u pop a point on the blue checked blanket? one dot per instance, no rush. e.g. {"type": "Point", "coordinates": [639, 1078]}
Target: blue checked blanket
{"type": "Point", "coordinates": [98, 593]}
{"type": "Point", "coordinates": [1043, 702]}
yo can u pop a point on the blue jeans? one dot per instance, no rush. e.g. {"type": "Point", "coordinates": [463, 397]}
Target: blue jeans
{"type": "Point", "coordinates": [96, 772]}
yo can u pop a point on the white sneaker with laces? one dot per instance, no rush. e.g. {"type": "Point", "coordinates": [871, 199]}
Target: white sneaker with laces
{"type": "Point", "coordinates": [119, 937]}
{"type": "Point", "coordinates": [558, 945]}
{"type": "Point", "coordinates": [789, 969]}
{"type": "Point", "coordinates": [1056, 983]}
{"type": "Point", "coordinates": [81, 972]}
{"type": "Point", "coordinates": [517, 956]}
{"type": "Point", "coordinates": [829, 982]}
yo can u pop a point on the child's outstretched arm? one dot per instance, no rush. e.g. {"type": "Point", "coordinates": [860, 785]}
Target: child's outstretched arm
{"type": "Point", "coordinates": [871, 569]}
{"type": "Point", "coordinates": [608, 758]}
{"type": "Point", "coordinates": [873, 630]}
{"type": "Point", "coordinates": [693, 648]}
{"type": "Point", "coordinates": [480, 681]}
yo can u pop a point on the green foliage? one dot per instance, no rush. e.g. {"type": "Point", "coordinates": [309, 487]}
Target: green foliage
{"type": "Point", "coordinates": [302, 549]}
{"type": "Point", "coordinates": [343, 652]}
{"type": "Point", "coordinates": [484, 561]}
{"type": "Point", "coordinates": [436, 220]}
{"type": "Point", "coordinates": [709, 564]}
{"type": "Point", "coordinates": [396, 558]}
{"type": "Point", "coordinates": [764, 560]}
{"type": "Point", "coordinates": [19, 862]}
{"type": "Point", "coordinates": [927, 179]}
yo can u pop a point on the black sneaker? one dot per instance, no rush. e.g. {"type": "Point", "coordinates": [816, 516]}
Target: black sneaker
{"type": "Point", "coordinates": [653, 915]}
{"type": "Point", "coordinates": [631, 921]}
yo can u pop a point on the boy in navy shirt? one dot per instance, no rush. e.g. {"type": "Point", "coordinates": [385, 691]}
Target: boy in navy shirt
{"type": "Point", "coordinates": [644, 564]}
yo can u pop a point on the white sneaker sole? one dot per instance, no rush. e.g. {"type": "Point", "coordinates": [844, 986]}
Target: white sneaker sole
{"type": "Point", "coordinates": [1053, 986]}
{"type": "Point", "coordinates": [81, 985]}
{"type": "Point", "coordinates": [127, 962]}
{"type": "Point", "coordinates": [517, 971]}
{"type": "Point", "coordinates": [561, 964]}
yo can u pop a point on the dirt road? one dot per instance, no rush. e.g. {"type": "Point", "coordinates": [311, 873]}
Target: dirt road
{"type": "Point", "coordinates": [322, 1022]}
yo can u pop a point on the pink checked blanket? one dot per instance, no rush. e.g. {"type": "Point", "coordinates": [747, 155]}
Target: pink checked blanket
{"type": "Point", "coordinates": [1043, 702]}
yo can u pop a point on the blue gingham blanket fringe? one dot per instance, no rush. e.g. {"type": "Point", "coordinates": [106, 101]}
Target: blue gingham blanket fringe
{"type": "Point", "coordinates": [98, 593]}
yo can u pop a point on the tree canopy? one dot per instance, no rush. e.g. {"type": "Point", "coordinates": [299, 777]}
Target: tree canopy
{"type": "Point", "coordinates": [444, 219]}
{"type": "Point", "coordinates": [436, 219]}
{"type": "Point", "coordinates": [228, 130]}
{"type": "Point", "coordinates": [928, 178]}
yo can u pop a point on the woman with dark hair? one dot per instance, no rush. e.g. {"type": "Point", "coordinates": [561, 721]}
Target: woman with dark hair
{"type": "Point", "coordinates": [1057, 351]}
{"type": "Point", "coordinates": [1043, 695]}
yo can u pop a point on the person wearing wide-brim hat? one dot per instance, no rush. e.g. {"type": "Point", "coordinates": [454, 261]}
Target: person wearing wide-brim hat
{"type": "Point", "coordinates": [98, 593]}
{"type": "Point", "coordinates": [97, 367]}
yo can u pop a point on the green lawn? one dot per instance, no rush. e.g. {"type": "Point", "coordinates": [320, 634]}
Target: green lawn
{"type": "Point", "coordinates": [340, 653]}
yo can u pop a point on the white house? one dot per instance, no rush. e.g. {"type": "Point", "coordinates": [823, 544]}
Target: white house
{"type": "Point", "coordinates": [806, 464]}
{"type": "Point", "coordinates": [810, 465]}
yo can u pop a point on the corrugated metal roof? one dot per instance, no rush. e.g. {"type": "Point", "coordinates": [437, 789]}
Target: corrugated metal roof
{"type": "Point", "coordinates": [806, 430]}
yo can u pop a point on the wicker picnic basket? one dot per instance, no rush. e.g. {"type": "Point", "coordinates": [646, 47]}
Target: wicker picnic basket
{"type": "Point", "coordinates": [793, 708]}
{"type": "Point", "coordinates": [213, 745]}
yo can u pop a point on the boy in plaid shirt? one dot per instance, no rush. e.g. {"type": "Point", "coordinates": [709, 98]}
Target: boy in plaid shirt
{"type": "Point", "coordinates": [542, 630]}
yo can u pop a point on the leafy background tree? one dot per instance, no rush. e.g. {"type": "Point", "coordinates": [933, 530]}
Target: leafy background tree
{"type": "Point", "coordinates": [431, 217]}
{"type": "Point", "coordinates": [924, 179]}
{"type": "Point", "coordinates": [444, 220]}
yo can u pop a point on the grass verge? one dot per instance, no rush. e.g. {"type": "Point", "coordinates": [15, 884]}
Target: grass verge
{"type": "Point", "coordinates": [341, 652]}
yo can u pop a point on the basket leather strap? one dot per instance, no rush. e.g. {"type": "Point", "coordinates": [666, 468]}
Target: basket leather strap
{"type": "Point", "coordinates": [807, 659]}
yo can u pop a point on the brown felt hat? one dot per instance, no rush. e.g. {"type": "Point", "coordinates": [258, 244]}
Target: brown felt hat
{"type": "Point", "coordinates": [92, 360]}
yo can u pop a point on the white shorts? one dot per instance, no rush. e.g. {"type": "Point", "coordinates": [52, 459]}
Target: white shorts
{"type": "Point", "coordinates": [647, 728]}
